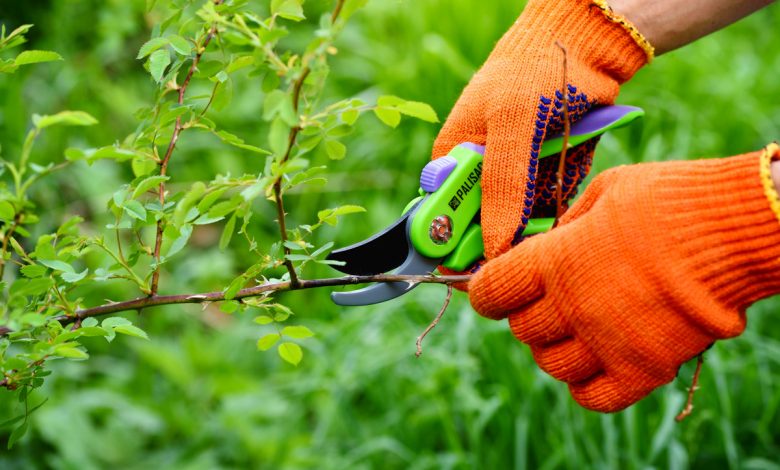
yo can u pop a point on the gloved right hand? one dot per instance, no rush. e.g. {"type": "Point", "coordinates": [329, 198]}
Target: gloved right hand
{"type": "Point", "coordinates": [652, 265]}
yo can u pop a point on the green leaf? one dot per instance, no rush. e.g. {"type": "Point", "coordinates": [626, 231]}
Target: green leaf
{"type": "Point", "coordinates": [350, 116]}
{"type": "Point", "coordinates": [180, 45]}
{"type": "Point", "coordinates": [143, 166]}
{"type": "Point", "coordinates": [7, 211]}
{"type": "Point", "coordinates": [149, 183]}
{"type": "Point", "coordinates": [234, 286]}
{"type": "Point", "coordinates": [227, 233]}
{"type": "Point", "coordinates": [64, 118]}
{"type": "Point", "coordinates": [288, 9]}
{"type": "Point", "coordinates": [34, 57]}
{"type": "Point", "coordinates": [239, 63]}
{"type": "Point", "coordinates": [389, 116]}
{"type": "Point", "coordinates": [33, 270]}
{"type": "Point", "coordinates": [131, 330]}
{"type": "Point", "coordinates": [418, 110]}
{"type": "Point", "coordinates": [35, 286]}
{"type": "Point", "coordinates": [151, 46]}
{"type": "Point", "coordinates": [70, 350]}
{"type": "Point", "coordinates": [266, 342]}
{"type": "Point", "coordinates": [74, 277]}
{"type": "Point", "coordinates": [17, 433]}
{"type": "Point", "coordinates": [57, 265]}
{"type": "Point", "coordinates": [298, 332]}
{"type": "Point", "coordinates": [158, 62]}
{"type": "Point", "coordinates": [291, 353]}
{"type": "Point", "coordinates": [134, 209]}
{"type": "Point", "coordinates": [229, 306]}
{"type": "Point", "coordinates": [263, 320]}
{"type": "Point", "coordinates": [92, 331]}
{"type": "Point", "coordinates": [278, 136]}
{"type": "Point", "coordinates": [335, 149]}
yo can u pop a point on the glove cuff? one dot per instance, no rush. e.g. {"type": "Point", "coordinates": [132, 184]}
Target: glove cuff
{"type": "Point", "coordinates": [589, 30]}
{"type": "Point", "coordinates": [725, 217]}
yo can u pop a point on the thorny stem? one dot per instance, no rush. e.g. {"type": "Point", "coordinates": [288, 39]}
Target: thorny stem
{"type": "Point", "coordinates": [262, 289]}
{"type": "Point", "coordinates": [280, 214]}
{"type": "Point", "coordinates": [434, 322]}
{"type": "Point", "coordinates": [559, 209]}
{"type": "Point", "coordinates": [172, 145]}
{"type": "Point", "coordinates": [694, 386]}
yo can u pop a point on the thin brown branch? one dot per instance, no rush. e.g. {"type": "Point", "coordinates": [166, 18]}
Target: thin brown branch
{"type": "Point", "coordinates": [694, 386]}
{"type": "Point", "coordinates": [336, 11]}
{"type": "Point", "coordinates": [169, 151]}
{"type": "Point", "coordinates": [293, 135]}
{"type": "Point", "coordinates": [262, 289]}
{"type": "Point", "coordinates": [434, 322]}
{"type": "Point", "coordinates": [559, 204]}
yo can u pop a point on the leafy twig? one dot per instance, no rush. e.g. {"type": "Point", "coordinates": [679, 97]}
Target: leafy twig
{"type": "Point", "coordinates": [435, 321]}
{"type": "Point", "coordinates": [169, 151]}
{"type": "Point", "coordinates": [280, 214]}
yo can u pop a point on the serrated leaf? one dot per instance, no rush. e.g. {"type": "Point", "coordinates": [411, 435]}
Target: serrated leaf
{"type": "Point", "coordinates": [266, 342]}
{"type": "Point", "coordinates": [57, 265]}
{"type": "Point", "coordinates": [263, 320]}
{"type": "Point", "coordinates": [143, 166]}
{"type": "Point", "coordinates": [227, 233]}
{"type": "Point", "coordinates": [35, 286]}
{"type": "Point", "coordinates": [418, 110]}
{"type": "Point", "coordinates": [74, 277]}
{"type": "Point", "coordinates": [298, 332]}
{"type": "Point", "coordinates": [7, 211]}
{"type": "Point", "coordinates": [389, 116]}
{"type": "Point", "coordinates": [134, 209]}
{"type": "Point", "coordinates": [158, 62]}
{"type": "Point", "coordinates": [278, 136]}
{"type": "Point", "coordinates": [234, 286]}
{"type": "Point", "coordinates": [180, 45]}
{"type": "Point", "coordinates": [151, 46]}
{"type": "Point", "coordinates": [240, 62]}
{"type": "Point", "coordinates": [64, 118]}
{"type": "Point", "coordinates": [131, 330]}
{"type": "Point", "coordinates": [34, 57]}
{"type": "Point", "coordinates": [92, 331]}
{"type": "Point", "coordinates": [291, 353]}
{"type": "Point", "coordinates": [335, 149]}
{"type": "Point", "coordinates": [17, 434]}
{"type": "Point", "coordinates": [288, 9]}
{"type": "Point", "coordinates": [350, 116]}
{"type": "Point", "coordinates": [149, 183]}
{"type": "Point", "coordinates": [70, 351]}
{"type": "Point", "coordinates": [33, 270]}
{"type": "Point", "coordinates": [389, 101]}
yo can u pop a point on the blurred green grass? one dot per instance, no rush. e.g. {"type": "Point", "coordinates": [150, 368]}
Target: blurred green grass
{"type": "Point", "coordinates": [200, 396]}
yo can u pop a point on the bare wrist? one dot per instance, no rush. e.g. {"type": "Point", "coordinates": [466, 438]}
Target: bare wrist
{"type": "Point", "coordinates": [774, 169]}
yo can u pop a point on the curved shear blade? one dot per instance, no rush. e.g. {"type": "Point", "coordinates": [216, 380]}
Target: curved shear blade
{"type": "Point", "coordinates": [415, 263]}
{"type": "Point", "coordinates": [378, 254]}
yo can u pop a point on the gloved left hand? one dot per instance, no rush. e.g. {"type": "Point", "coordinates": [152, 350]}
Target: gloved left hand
{"type": "Point", "coordinates": [516, 99]}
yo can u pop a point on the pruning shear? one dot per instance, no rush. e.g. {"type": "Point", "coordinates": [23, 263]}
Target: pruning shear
{"type": "Point", "coordinates": [441, 225]}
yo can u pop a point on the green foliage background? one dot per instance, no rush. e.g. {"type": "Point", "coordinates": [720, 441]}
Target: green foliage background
{"type": "Point", "coordinates": [199, 394]}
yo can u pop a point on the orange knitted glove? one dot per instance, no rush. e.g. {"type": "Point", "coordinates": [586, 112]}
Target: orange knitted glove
{"type": "Point", "coordinates": [516, 99]}
{"type": "Point", "coordinates": [652, 265]}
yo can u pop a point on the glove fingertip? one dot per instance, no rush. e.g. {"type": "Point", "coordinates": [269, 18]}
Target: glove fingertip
{"type": "Point", "coordinates": [504, 285]}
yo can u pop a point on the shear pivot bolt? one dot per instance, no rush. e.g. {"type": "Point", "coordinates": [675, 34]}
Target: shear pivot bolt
{"type": "Point", "coordinates": [441, 229]}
